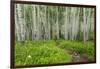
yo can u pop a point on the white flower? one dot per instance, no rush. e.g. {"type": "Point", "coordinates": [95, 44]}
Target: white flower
{"type": "Point", "coordinates": [29, 56]}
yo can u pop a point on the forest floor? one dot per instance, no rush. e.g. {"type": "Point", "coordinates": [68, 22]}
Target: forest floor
{"type": "Point", "coordinates": [51, 52]}
{"type": "Point", "coordinates": [76, 57]}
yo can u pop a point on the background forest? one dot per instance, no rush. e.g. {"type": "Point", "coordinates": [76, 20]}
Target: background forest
{"type": "Point", "coordinates": [46, 34]}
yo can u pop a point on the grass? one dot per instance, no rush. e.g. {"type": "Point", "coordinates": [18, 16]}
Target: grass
{"type": "Point", "coordinates": [40, 52]}
{"type": "Point", "coordinates": [79, 47]}
{"type": "Point", "coordinates": [50, 51]}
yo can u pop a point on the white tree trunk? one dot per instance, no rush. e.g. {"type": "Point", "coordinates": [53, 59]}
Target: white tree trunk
{"type": "Point", "coordinates": [84, 24]}
{"type": "Point", "coordinates": [57, 25]}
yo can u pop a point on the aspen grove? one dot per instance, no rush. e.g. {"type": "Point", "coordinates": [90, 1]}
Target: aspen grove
{"type": "Point", "coordinates": [40, 22]}
{"type": "Point", "coordinates": [61, 24]}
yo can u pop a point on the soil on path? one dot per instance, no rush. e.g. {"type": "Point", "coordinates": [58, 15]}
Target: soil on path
{"type": "Point", "coordinates": [76, 57]}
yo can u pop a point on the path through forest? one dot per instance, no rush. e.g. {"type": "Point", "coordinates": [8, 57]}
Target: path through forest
{"type": "Point", "coordinates": [76, 57]}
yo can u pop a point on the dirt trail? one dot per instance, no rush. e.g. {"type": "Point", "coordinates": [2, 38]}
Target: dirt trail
{"type": "Point", "coordinates": [76, 57]}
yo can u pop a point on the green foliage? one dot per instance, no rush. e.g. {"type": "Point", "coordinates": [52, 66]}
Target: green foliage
{"type": "Point", "coordinates": [79, 47]}
{"type": "Point", "coordinates": [91, 35]}
{"type": "Point", "coordinates": [51, 51]}
{"type": "Point", "coordinates": [40, 52]}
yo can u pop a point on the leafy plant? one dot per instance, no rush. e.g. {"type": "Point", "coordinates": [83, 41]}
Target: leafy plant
{"type": "Point", "coordinates": [40, 52]}
{"type": "Point", "coordinates": [79, 47]}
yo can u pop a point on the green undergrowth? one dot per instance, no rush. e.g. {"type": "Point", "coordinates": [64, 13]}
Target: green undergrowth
{"type": "Point", "coordinates": [39, 52]}
{"type": "Point", "coordinates": [86, 49]}
{"type": "Point", "coordinates": [51, 51]}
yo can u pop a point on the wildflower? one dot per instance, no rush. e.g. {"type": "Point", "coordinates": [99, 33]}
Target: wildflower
{"type": "Point", "coordinates": [29, 56]}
